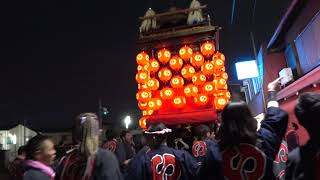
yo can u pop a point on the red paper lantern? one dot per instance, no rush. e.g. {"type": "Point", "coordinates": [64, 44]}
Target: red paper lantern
{"type": "Point", "coordinates": [166, 93]}
{"type": "Point", "coordinates": [207, 49]}
{"type": "Point", "coordinates": [207, 68]}
{"type": "Point", "coordinates": [219, 55]}
{"type": "Point", "coordinates": [143, 122]}
{"type": "Point", "coordinates": [176, 63]}
{"type": "Point", "coordinates": [142, 58]}
{"type": "Point", "coordinates": [155, 104]}
{"type": "Point", "coordinates": [179, 102]}
{"type": "Point", "coordinates": [164, 74]}
{"type": "Point", "coordinates": [143, 95]}
{"type": "Point", "coordinates": [220, 102]}
{"type": "Point", "coordinates": [142, 76]}
{"type": "Point", "coordinates": [164, 56]}
{"type": "Point", "coordinates": [199, 79]}
{"type": "Point", "coordinates": [185, 53]}
{"type": "Point", "coordinates": [153, 66]}
{"type": "Point", "coordinates": [218, 63]}
{"type": "Point", "coordinates": [177, 82]}
{"type": "Point", "coordinates": [143, 105]}
{"type": "Point", "coordinates": [153, 84]}
{"type": "Point", "coordinates": [191, 90]}
{"type": "Point", "coordinates": [220, 84]}
{"type": "Point", "coordinates": [209, 88]}
{"type": "Point", "coordinates": [197, 60]}
{"type": "Point", "coordinates": [187, 71]}
{"type": "Point", "coordinates": [201, 100]}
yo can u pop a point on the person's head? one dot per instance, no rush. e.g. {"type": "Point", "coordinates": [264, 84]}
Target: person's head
{"type": "Point", "coordinates": [112, 133]}
{"type": "Point", "coordinates": [22, 151]}
{"type": "Point", "coordinates": [201, 132]}
{"type": "Point", "coordinates": [41, 148]}
{"type": "Point", "coordinates": [237, 125]}
{"type": "Point", "coordinates": [89, 133]}
{"type": "Point", "coordinates": [308, 111]}
{"type": "Point", "coordinates": [127, 137]}
{"type": "Point", "coordinates": [156, 135]}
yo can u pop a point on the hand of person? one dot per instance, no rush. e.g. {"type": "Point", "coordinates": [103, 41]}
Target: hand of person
{"type": "Point", "coordinates": [274, 85]}
{"type": "Point", "coordinates": [126, 162]}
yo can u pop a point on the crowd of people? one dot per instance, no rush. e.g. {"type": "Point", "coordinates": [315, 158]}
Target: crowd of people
{"type": "Point", "coordinates": [233, 148]}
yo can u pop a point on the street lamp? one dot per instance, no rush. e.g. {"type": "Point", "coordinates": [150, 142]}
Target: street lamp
{"type": "Point", "coordinates": [127, 121]}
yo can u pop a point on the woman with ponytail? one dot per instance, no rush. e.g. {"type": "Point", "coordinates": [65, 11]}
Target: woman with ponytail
{"type": "Point", "coordinates": [87, 161]}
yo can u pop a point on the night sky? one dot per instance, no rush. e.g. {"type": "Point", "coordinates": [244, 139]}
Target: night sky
{"type": "Point", "coordinates": [58, 57]}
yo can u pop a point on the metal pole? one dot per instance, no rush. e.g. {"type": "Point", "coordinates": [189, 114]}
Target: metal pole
{"type": "Point", "coordinates": [99, 113]}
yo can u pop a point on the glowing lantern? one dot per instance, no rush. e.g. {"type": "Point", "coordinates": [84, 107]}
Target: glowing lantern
{"type": "Point", "coordinates": [155, 104]}
{"type": "Point", "coordinates": [197, 60]}
{"type": "Point", "coordinates": [164, 56]}
{"type": "Point", "coordinates": [207, 68]}
{"type": "Point", "coordinates": [218, 63]}
{"type": "Point", "coordinates": [223, 93]}
{"type": "Point", "coordinates": [142, 58]}
{"type": "Point", "coordinates": [143, 95]}
{"type": "Point", "coordinates": [153, 66]}
{"type": "Point", "coordinates": [177, 82]}
{"type": "Point", "coordinates": [221, 74]}
{"type": "Point", "coordinates": [219, 55]}
{"type": "Point", "coordinates": [165, 74]}
{"type": "Point", "coordinates": [143, 105]}
{"type": "Point", "coordinates": [187, 71]}
{"type": "Point", "coordinates": [148, 112]}
{"type": "Point", "coordinates": [143, 122]}
{"type": "Point", "coordinates": [201, 100]}
{"type": "Point", "coordinates": [209, 88]}
{"type": "Point", "coordinates": [142, 86]}
{"type": "Point", "coordinates": [220, 102]}
{"type": "Point", "coordinates": [199, 79]}
{"type": "Point", "coordinates": [166, 93]}
{"type": "Point", "coordinates": [176, 63]}
{"type": "Point", "coordinates": [207, 49]}
{"type": "Point", "coordinates": [220, 84]}
{"type": "Point", "coordinates": [153, 84]}
{"type": "Point", "coordinates": [179, 102]}
{"type": "Point", "coordinates": [185, 53]}
{"type": "Point", "coordinates": [191, 90]}
{"type": "Point", "coordinates": [142, 76]}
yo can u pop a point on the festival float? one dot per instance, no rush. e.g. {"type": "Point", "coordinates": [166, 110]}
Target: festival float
{"type": "Point", "coordinates": [181, 76]}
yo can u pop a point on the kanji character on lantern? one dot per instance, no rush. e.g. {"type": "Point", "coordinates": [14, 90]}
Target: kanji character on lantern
{"type": "Point", "coordinates": [177, 82]}
{"type": "Point", "coordinates": [164, 74]}
{"type": "Point", "coordinates": [143, 95]}
{"type": "Point", "coordinates": [153, 66]}
{"type": "Point", "coordinates": [209, 88]}
{"type": "Point", "coordinates": [153, 84]}
{"type": "Point", "coordinates": [142, 76]}
{"type": "Point", "coordinates": [220, 102]}
{"type": "Point", "coordinates": [191, 90]}
{"type": "Point", "coordinates": [142, 58]}
{"type": "Point", "coordinates": [207, 49]}
{"type": "Point", "coordinates": [199, 79]}
{"type": "Point", "coordinates": [179, 102]}
{"type": "Point", "coordinates": [207, 68]}
{"type": "Point", "coordinates": [185, 53]}
{"type": "Point", "coordinates": [201, 100]}
{"type": "Point", "coordinates": [176, 63]}
{"type": "Point", "coordinates": [166, 93]}
{"type": "Point", "coordinates": [220, 84]}
{"type": "Point", "coordinates": [217, 63]}
{"type": "Point", "coordinates": [197, 60]}
{"type": "Point", "coordinates": [187, 71]}
{"type": "Point", "coordinates": [164, 56]}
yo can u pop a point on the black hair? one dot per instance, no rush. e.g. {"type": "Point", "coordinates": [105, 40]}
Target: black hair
{"type": "Point", "coordinates": [157, 139]}
{"type": "Point", "coordinates": [201, 131]}
{"type": "Point", "coordinates": [21, 150]}
{"type": "Point", "coordinates": [112, 133]}
{"type": "Point", "coordinates": [124, 133]}
{"type": "Point", "coordinates": [308, 110]}
{"type": "Point", "coordinates": [34, 145]}
{"type": "Point", "coordinates": [237, 126]}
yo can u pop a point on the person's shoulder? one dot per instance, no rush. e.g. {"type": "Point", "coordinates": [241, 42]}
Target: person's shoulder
{"type": "Point", "coordinates": [35, 174]}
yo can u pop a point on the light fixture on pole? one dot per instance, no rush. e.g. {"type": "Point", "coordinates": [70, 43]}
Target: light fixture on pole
{"type": "Point", "coordinates": [127, 121]}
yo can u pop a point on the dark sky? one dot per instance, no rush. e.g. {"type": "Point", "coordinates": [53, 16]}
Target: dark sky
{"type": "Point", "coordinates": [57, 57]}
